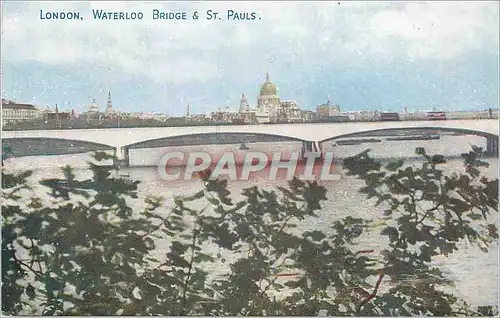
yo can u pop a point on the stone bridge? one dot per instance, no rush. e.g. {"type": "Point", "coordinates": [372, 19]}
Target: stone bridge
{"type": "Point", "coordinates": [313, 136]}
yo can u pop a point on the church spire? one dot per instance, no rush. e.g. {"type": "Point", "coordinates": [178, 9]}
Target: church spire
{"type": "Point", "coordinates": [268, 78]}
{"type": "Point", "coordinates": [244, 107]}
{"type": "Point", "coordinates": [110, 105]}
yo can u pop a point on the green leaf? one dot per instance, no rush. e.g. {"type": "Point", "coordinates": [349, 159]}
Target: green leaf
{"type": "Point", "coordinates": [294, 284]}
{"type": "Point", "coordinates": [200, 257]}
{"type": "Point", "coordinates": [420, 151]}
{"type": "Point", "coordinates": [391, 232]}
{"type": "Point", "coordinates": [394, 165]}
{"type": "Point", "coordinates": [387, 212]}
{"type": "Point", "coordinates": [475, 216]}
{"type": "Point", "coordinates": [315, 235]}
{"type": "Point", "coordinates": [438, 159]}
{"type": "Point", "coordinates": [30, 291]}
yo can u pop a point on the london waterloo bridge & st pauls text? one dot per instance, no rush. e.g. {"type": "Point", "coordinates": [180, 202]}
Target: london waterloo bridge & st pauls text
{"type": "Point", "coordinates": [154, 14]}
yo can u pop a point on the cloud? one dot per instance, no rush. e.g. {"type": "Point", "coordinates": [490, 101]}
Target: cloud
{"type": "Point", "coordinates": [439, 30]}
{"type": "Point", "coordinates": [316, 34]}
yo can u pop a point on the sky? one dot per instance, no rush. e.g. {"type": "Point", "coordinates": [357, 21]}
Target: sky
{"type": "Point", "coordinates": [362, 55]}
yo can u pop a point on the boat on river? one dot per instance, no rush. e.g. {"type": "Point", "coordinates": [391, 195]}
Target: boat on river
{"type": "Point", "coordinates": [350, 142]}
{"type": "Point", "coordinates": [410, 138]}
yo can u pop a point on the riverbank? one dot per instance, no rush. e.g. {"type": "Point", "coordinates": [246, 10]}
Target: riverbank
{"type": "Point", "coordinates": [75, 124]}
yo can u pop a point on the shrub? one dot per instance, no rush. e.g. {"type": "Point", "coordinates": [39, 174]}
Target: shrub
{"type": "Point", "coordinates": [88, 252]}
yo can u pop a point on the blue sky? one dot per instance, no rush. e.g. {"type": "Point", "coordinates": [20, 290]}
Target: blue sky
{"type": "Point", "coordinates": [364, 55]}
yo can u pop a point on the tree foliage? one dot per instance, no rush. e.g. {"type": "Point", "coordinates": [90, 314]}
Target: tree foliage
{"type": "Point", "coordinates": [92, 251]}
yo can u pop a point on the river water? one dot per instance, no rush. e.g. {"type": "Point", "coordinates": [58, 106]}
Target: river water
{"type": "Point", "coordinates": [475, 272]}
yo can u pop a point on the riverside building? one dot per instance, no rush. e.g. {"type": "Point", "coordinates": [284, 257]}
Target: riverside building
{"type": "Point", "coordinates": [13, 112]}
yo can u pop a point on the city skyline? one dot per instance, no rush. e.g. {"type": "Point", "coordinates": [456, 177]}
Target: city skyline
{"type": "Point", "coordinates": [419, 55]}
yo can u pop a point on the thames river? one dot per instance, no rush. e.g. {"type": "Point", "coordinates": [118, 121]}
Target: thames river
{"type": "Point", "coordinates": [475, 272]}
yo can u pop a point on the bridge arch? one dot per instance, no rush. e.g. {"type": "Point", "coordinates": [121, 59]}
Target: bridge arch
{"type": "Point", "coordinates": [419, 129]}
{"type": "Point", "coordinates": [211, 138]}
{"type": "Point", "coordinates": [42, 146]}
{"type": "Point", "coordinates": [491, 139]}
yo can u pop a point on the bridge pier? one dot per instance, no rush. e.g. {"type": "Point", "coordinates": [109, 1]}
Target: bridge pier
{"type": "Point", "coordinates": [311, 146]}
{"type": "Point", "coordinates": [307, 146]}
{"type": "Point", "coordinates": [122, 157]}
{"type": "Point", "coordinates": [492, 146]}
{"type": "Point", "coordinates": [317, 144]}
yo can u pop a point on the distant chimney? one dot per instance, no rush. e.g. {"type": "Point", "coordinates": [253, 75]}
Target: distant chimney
{"type": "Point", "coordinates": [58, 122]}
{"type": "Point", "coordinates": [187, 113]}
